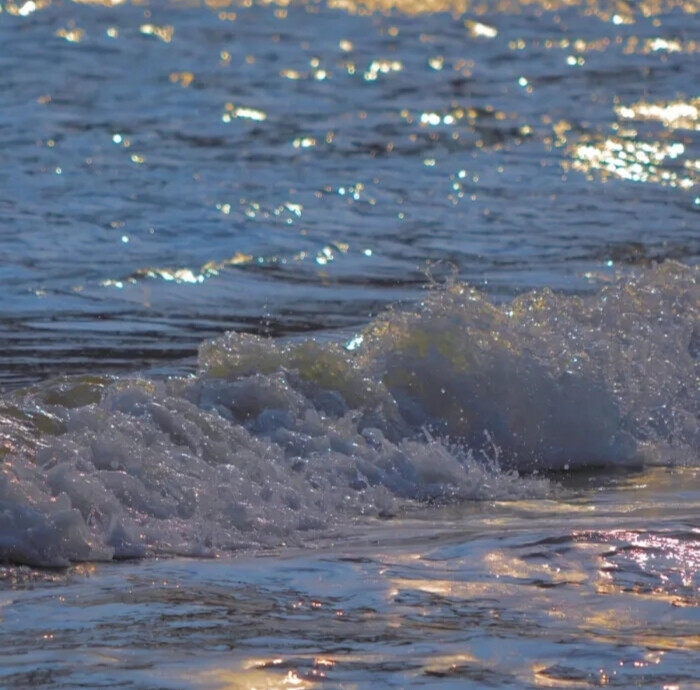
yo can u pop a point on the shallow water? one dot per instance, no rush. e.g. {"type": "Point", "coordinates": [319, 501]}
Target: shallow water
{"type": "Point", "coordinates": [467, 456]}
{"type": "Point", "coordinates": [580, 592]}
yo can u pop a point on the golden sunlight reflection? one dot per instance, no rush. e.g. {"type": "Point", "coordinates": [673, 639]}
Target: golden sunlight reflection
{"type": "Point", "coordinates": [626, 156]}
{"type": "Point", "coordinates": [377, 67]}
{"type": "Point", "coordinates": [444, 664]}
{"type": "Point", "coordinates": [543, 677]}
{"type": "Point", "coordinates": [182, 275]}
{"type": "Point", "coordinates": [182, 78]}
{"type": "Point", "coordinates": [614, 623]}
{"type": "Point", "coordinates": [243, 112]}
{"type": "Point", "coordinates": [26, 8]}
{"type": "Point", "coordinates": [164, 33]}
{"type": "Point", "coordinates": [271, 673]}
{"type": "Point", "coordinates": [453, 116]}
{"type": "Point", "coordinates": [456, 588]}
{"type": "Point", "coordinates": [103, 3]}
{"type": "Point", "coordinates": [258, 678]}
{"type": "Point", "coordinates": [292, 74]}
{"type": "Point", "coordinates": [616, 13]}
{"type": "Point", "coordinates": [72, 35]}
{"type": "Point", "coordinates": [477, 29]}
{"type": "Point", "coordinates": [502, 565]}
{"type": "Point", "coordinates": [635, 161]}
{"type": "Point", "coordinates": [661, 45]}
{"type": "Point", "coordinates": [673, 115]}
{"type": "Point", "coordinates": [643, 548]}
{"type": "Point", "coordinates": [304, 142]}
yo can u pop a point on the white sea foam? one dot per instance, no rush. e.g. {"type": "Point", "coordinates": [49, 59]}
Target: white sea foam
{"type": "Point", "coordinates": [273, 441]}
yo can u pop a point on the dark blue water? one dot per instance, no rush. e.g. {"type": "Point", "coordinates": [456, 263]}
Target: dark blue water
{"type": "Point", "coordinates": [169, 171]}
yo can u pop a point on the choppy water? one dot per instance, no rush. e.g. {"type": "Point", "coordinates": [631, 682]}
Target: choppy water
{"type": "Point", "coordinates": [576, 593]}
{"type": "Point", "coordinates": [469, 455]}
{"type": "Point", "coordinates": [173, 170]}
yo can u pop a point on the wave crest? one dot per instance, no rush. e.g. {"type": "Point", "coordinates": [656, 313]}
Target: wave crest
{"type": "Point", "coordinates": [272, 441]}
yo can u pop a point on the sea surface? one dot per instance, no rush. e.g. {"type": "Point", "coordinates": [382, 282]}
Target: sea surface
{"type": "Point", "coordinates": [349, 344]}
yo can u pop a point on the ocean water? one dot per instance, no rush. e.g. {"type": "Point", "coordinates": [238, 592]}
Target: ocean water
{"type": "Point", "coordinates": [349, 344]}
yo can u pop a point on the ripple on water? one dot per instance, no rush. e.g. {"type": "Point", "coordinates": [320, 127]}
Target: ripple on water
{"type": "Point", "coordinates": [173, 167]}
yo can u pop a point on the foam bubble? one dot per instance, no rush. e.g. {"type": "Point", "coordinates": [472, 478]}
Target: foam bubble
{"type": "Point", "coordinates": [558, 381]}
{"type": "Point", "coordinates": [273, 441]}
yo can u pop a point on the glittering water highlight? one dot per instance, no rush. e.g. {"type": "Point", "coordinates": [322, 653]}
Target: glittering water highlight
{"type": "Point", "coordinates": [271, 440]}
{"type": "Point", "coordinates": [383, 314]}
{"type": "Point", "coordinates": [169, 169]}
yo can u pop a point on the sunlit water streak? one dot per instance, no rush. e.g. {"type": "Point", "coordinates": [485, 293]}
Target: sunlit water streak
{"type": "Point", "coordinates": [171, 171]}
{"type": "Point", "coordinates": [485, 595]}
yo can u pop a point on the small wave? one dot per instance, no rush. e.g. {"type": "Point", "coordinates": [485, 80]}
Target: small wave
{"type": "Point", "coordinates": [272, 441]}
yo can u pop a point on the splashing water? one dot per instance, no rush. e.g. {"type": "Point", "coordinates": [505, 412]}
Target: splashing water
{"type": "Point", "coordinates": [273, 441]}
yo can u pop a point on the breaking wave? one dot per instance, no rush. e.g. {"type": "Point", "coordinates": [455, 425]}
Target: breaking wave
{"type": "Point", "coordinates": [273, 441]}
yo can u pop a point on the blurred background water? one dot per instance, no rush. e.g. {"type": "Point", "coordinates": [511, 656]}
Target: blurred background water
{"type": "Point", "coordinates": [172, 170]}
